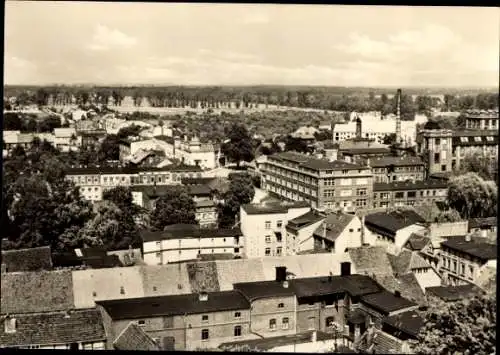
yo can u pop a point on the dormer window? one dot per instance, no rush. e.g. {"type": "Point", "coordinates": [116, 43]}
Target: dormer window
{"type": "Point", "coordinates": [10, 325]}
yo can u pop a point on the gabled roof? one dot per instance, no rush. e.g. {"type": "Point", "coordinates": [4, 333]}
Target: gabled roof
{"type": "Point", "coordinates": [407, 261]}
{"type": "Point", "coordinates": [393, 221]}
{"type": "Point", "coordinates": [370, 260]}
{"type": "Point", "coordinates": [407, 322]}
{"type": "Point", "coordinates": [416, 242]}
{"type": "Point", "coordinates": [33, 259]}
{"type": "Point", "coordinates": [135, 308]}
{"type": "Point", "coordinates": [55, 328]}
{"type": "Point", "coordinates": [355, 285]}
{"type": "Point", "coordinates": [406, 284]}
{"type": "Point", "coordinates": [386, 302]}
{"type": "Point", "coordinates": [454, 293]}
{"type": "Point", "coordinates": [305, 220]}
{"type": "Point", "coordinates": [477, 247]}
{"type": "Point", "coordinates": [333, 226]}
{"type": "Point", "coordinates": [30, 292]}
{"type": "Point", "coordinates": [384, 343]}
{"type": "Point", "coordinates": [134, 338]}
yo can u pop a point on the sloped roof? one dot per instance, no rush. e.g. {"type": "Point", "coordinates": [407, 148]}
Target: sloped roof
{"type": "Point", "coordinates": [393, 221]}
{"type": "Point", "coordinates": [406, 284]}
{"type": "Point", "coordinates": [482, 222]}
{"type": "Point", "coordinates": [386, 302]}
{"type": "Point", "coordinates": [30, 292]}
{"type": "Point", "coordinates": [333, 226]}
{"type": "Point", "coordinates": [180, 231]}
{"type": "Point", "coordinates": [134, 338]}
{"type": "Point", "coordinates": [304, 220]}
{"type": "Point", "coordinates": [396, 161]}
{"type": "Point", "coordinates": [477, 247]}
{"type": "Point", "coordinates": [239, 270]}
{"type": "Point", "coordinates": [55, 328]}
{"type": "Point", "coordinates": [33, 259]}
{"type": "Point", "coordinates": [454, 293]}
{"type": "Point", "coordinates": [407, 261]}
{"type": "Point", "coordinates": [408, 322]}
{"type": "Point", "coordinates": [370, 260]}
{"type": "Point", "coordinates": [416, 242]}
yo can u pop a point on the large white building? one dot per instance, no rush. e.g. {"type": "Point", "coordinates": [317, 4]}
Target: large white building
{"type": "Point", "coordinates": [182, 242]}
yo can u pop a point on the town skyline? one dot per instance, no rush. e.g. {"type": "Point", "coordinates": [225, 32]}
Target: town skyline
{"type": "Point", "coordinates": [257, 45]}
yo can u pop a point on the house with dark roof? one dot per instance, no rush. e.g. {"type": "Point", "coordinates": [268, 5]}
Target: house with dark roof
{"type": "Point", "coordinates": [393, 229]}
{"type": "Point", "coordinates": [181, 322]}
{"type": "Point", "coordinates": [412, 262]}
{"type": "Point", "coordinates": [488, 224]}
{"type": "Point", "coordinates": [454, 293]}
{"type": "Point", "coordinates": [337, 233]}
{"type": "Point", "coordinates": [181, 242]}
{"type": "Point", "coordinates": [299, 230]}
{"type": "Point", "coordinates": [70, 330]}
{"type": "Point", "coordinates": [134, 338]}
{"type": "Point", "coordinates": [32, 259]}
{"type": "Point", "coordinates": [463, 259]}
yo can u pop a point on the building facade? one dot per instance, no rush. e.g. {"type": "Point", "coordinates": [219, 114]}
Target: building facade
{"type": "Point", "coordinates": [397, 194]}
{"type": "Point", "coordinates": [390, 169]}
{"type": "Point", "coordinates": [323, 184]}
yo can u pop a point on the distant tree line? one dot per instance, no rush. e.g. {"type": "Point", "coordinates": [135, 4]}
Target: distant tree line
{"type": "Point", "coordinates": [30, 123]}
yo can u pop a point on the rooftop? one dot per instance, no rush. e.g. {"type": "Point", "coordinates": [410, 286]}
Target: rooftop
{"type": "Point", "coordinates": [454, 293]}
{"type": "Point", "coordinates": [134, 308]}
{"type": "Point", "coordinates": [476, 139]}
{"type": "Point", "coordinates": [477, 247]}
{"type": "Point", "coordinates": [386, 302]}
{"type": "Point", "coordinates": [407, 261]}
{"type": "Point", "coordinates": [370, 260]}
{"type": "Point", "coordinates": [393, 221]}
{"type": "Point", "coordinates": [482, 222]}
{"type": "Point", "coordinates": [408, 322]}
{"type": "Point", "coordinates": [305, 220]}
{"type": "Point", "coordinates": [273, 207]}
{"type": "Point", "coordinates": [33, 259]}
{"type": "Point", "coordinates": [316, 164]}
{"type": "Point", "coordinates": [55, 328]}
{"type": "Point", "coordinates": [410, 185]}
{"type": "Point", "coordinates": [416, 242]}
{"type": "Point", "coordinates": [355, 285]}
{"type": "Point", "coordinates": [333, 226]}
{"type": "Point", "coordinates": [406, 284]}
{"type": "Point", "coordinates": [99, 170]}
{"type": "Point", "coordinates": [182, 231]}
{"type": "Point", "coordinates": [396, 161]}
{"type": "Point", "coordinates": [264, 289]}
{"type": "Point", "coordinates": [134, 338]}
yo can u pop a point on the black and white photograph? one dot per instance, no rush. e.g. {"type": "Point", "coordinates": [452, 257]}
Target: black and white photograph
{"type": "Point", "coordinates": [224, 177]}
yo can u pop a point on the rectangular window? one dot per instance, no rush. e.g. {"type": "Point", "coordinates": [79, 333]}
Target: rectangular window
{"type": "Point", "coordinates": [204, 318]}
{"type": "Point", "coordinates": [268, 251]}
{"type": "Point", "coordinates": [204, 334]}
{"type": "Point", "coordinates": [237, 314]}
{"type": "Point", "coordinates": [268, 239]}
{"type": "Point", "coordinates": [399, 195]}
{"type": "Point", "coordinates": [141, 322]}
{"type": "Point", "coordinates": [285, 323]}
{"type": "Point", "coordinates": [268, 224]}
{"type": "Point", "coordinates": [279, 224]}
{"type": "Point", "coordinates": [278, 251]}
{"type": "Point", "coordinates": [437, 158]}
{"type": "Point", "coordinates": [412, 194]}
{"type": "Point", "coordinates": [272, 324]}
{"type": "Point", "coordinates": [237, 331]}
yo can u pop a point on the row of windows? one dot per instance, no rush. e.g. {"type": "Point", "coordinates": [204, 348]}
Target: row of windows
{"type": "Point", "coordinates": [109, 180]}
{"type": "Point", "coordinates": [279, 238]}
{"type": "Point", "coordinates": [285, 323]}
{"type": "Point", "coordinates": [236, 251]}
{"type": "Point", "coordinates": [279, 224]}
{"type": "Point", "coordinates": [409, 194]}
{"type": "Point", "coordinates": [452, 265]}
{"type": "Point", "coordinates": [279, 251]}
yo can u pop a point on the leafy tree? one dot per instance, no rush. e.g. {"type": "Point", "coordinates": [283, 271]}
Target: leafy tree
{"type": "Point", "coordinates": [129, 131]}
{"type": "Point", "coordinates": [176, 206]}
{"type": "Point", "coordinates": [464, 327]}
{"type": "Point", "coordinates": [12, 122]}
{"type": "Point", "coordinates": [109, 149]}
{"type": "Point", "coordinates": [240, 192]}
{"type": "Point", "coordinates": [485, 165]}
{"type": "Point", "coordinates": [296, 144]}
{"type": "Point", "coordinates": [323, 136]}
{"type": "Point", "coordinates": [472, 197]}
{"type": "Point", "coordinates": [239, 148]}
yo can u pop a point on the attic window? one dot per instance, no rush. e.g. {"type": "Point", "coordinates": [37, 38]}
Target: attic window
{"type": "Point", "coordinates": [10, 325]}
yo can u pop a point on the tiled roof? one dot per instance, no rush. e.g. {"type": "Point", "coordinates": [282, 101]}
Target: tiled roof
{"type": "Point", "coordinates": [407, 261]}
{"type": "Point", "coordinates": [409, 185]}
{"type": "Point", "coordinates": [355, 285]}
{"type": "Point", "coordinates": [182, 231]}
{"type": "Point", "coordinates": [386, 302]}
{"type": "Point", "coordinates": [264, 289]}
{"type": "Point", "coordinates": [134, 338]}
{"type": "Point", "coordinates": [33, 259]}
{"type": "Point", "coordinates": [55, 328]}
{"type": "Point", "coordinates": [272, 207]}
{"type": "Point", "coordinates": [315, 164]}
{"type": "Point", "coordinates": [408, 322]}
{"type": "Point", "coordinates": [396, 161]}
{"type": "Point", "coordinates": [304, 220]}
{"type": "Point", "coordinates": [454, 293]}
{"type": "Point", "coordinates": [392, 222]}
{"type": "Point", "coordinates": [333, 226]}
{"type": "Point", "coordinates": [134, 308]}
{"type": "Point", "coordinates": [30, 292]}
{"type": "Point", "coordinates": [129, 170]}
{"type": "Point", "coordinates": [166, 280]}
{"type": "Point", "coordinates": [477, 247]}
{"type": "Point", "coordinates": [384, 343]}
{"type": "Point", "coordinates": [417, 242]}
{"type": "Point", "coordinates": [203, 277]}
{"type": "Point", "coordinates": [406, 284]}
{"type": "Point", "coordinates": [482, 222]}
{"type": "Point", "coordinates": [370, 260]}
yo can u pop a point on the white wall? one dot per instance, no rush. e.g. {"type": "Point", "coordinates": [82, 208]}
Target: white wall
{"type": "Point", "coordinates": [254, 231]}
{"type": "Point", "coordinates": [309, 347]}
{"type": "Point", "coordinates": [349, 239]}
{"type": "Point", "coordinates": [427, 278]}
{"type": "Point", "coordinates": [304, 239]}
{"type": "Point", "coordinates": [403, 234]}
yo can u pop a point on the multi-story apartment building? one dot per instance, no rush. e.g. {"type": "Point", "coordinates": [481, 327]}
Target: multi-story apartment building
{"type": "Point", "coordinates": [482, 120]}
{"type": "Point", "coordinates": [466, 143]}
{"type": "Point", "coordinates": [92, 181]}
{"type": "Point", "coordinates": [322, 183]}
{"type": "Point", "coordinates": [66, 139]}
{"type": "Point", "coordinates": [263, 227]}
{"type": "Point", "coordinates": [397, 194]}
{"type": "Point", "coordinates": [463, 259]}
{"type": "Point", "coordinates": [181, 242]}
{"type": "Point", "coordinates": [436, 149]}
{"type": "Point", "coordinates": [182, 322]}
{"type": "Point", "coordinates": [389, 169]}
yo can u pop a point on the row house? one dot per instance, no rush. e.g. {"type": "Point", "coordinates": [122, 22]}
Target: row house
{"type": "Point", "coordinates": [391, 169]}
{"type": "Point", "coordinates": [321, 183]}
{"type": "Point", "coordinates": [482, 119]}
{"type": "Point", "coordinates": [398, 194]}
{"type": "Point", "coordinates": [182, 242]}
{"type": "Point", "coordinates": [264, 227]}
{"type": "Point", "coordinates": [93, 181]}
{"type": "Point", "coordinates": [463, 259]}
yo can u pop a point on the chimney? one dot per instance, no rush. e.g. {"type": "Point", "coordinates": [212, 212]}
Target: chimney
{"type": "Point", "coordinates": [345, 268]}
{"type": "Point", "coordinates": [468, 237]}
{"type": "Point", "coordinates": [314, 336]}
{"type": "Point", "coordinates": [203, 297]}
{"type": "Point", "coordinates": [358, 128]}
{"type": "Point", "coordinates": [330, 277]}
{"type": "Point", "coordinates": [285, 284]}
{"type": "Point", "coordinates": [397, 293]}
{"type": "Point", "coordinates": [280, 273]}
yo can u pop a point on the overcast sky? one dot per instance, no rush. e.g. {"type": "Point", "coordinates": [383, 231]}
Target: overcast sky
{"type": "Point", "coordinates": [216, 44]}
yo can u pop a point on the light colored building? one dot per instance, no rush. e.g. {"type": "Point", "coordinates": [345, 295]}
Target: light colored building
{"type": "Point", "coordinates": [323, 184]}
{"type": "Point", "coordinates": [12, 139]}
{"type": "Point", "coordinates": [66, 139]}
{"type": "Point", "coordinates": [389, 169]}
{"type": "Point", "coordinates": [463, 259]}
{"type": "Point", "coordinates": [181, 242]}
{"type": "Point", "coordinates": [481, 119]}
{"type": "Point", "coordinates": [263, 227]}
{"type": "Point", "coordinates": [398, 194]}
{"type": "Point", "coordinates": [300, 230]}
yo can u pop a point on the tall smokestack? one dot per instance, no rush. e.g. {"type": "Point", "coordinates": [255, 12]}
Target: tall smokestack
{"type": "Point", "coordinates": [358, 128]}
{"type": "Point", "coordinates": [398, 117]}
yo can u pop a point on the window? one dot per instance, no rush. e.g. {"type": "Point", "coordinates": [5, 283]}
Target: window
{"type": "Point", "coordinates": [204, 334]}
{"type": "Point", "coordinates": [328, 322]}
{"type": "Point", "coordinates": [463, 269]}
{"type": "Point", "coordinates": [94, 294]}
{"type": "Point", "coordinates": [438, 141]}
{"type": "Point", "coordinates": [278, 250]}
{"type": "Point", "coordinates": [122, 290]}
{"type": "Point", "coordinates": [10, 325]}
{"type": "Point", "coordinates": [278, 237]}
{"type": "Point", "coordinates": [268, 251]}
{"type": "Point", "coordinates": [268, 224]}
{"type": "Point", "coordinates": [351, 230]}
{"type": "Point", "coordinates": [281, 305]}
{"type": "Point", "coordinates": [268, 239]}
{"type": "Point", "coordinates": [285, 323]}
{"type": "Point", "coordinates": [237, 331]}
{"type": "Point", "coordinates": [141, 322]}
{"type": "Point", "coordinates": [204, 318]}
{"type": "Point", "coordinates": [443, 167]}
{"type": "Point", "coordinates": [237, 314]}
{"type": "Point", "coordinates": [436, 158]}
{"type": "Point", "coordinates": [399, 195]}
{"type": "Point", "coordinates": [279, 224]}
{"type": "Point", "coordinates": [158, 244]}
{"type": "Point", "coordinates": [272, 324]}
{"type": "Point", "coordinates": [455, 266]}
{"type": "Point", "coordinates": [471, 272]}
{"type": "Point", "coordinates": [412, 194]}
{"type": "Point", "coordinates": [236, 250]}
